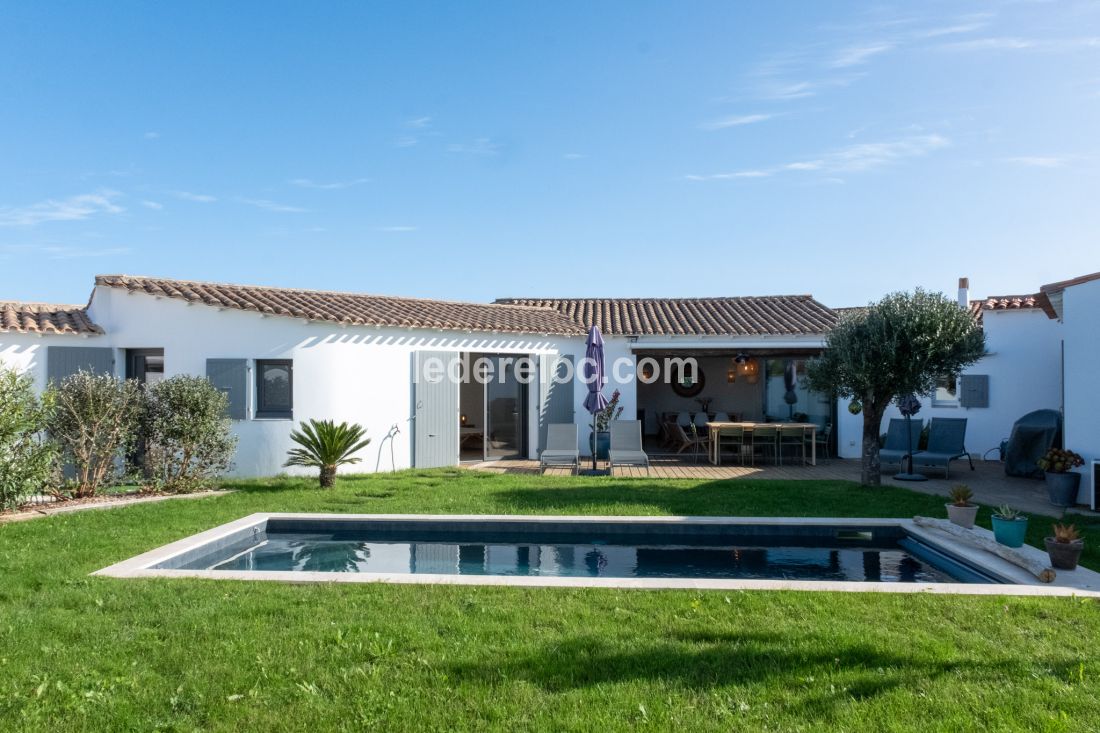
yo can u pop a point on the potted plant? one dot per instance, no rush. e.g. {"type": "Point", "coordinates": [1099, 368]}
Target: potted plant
{"type": "Point", "coordinates": [1009, 526]}
{"type": "Point", "coordinates": [600, 441]}
{"type": "Point", "coordinates": [1062, 482]}
{"type": "Point", "coordinates": [1065, 547]}
{"type": "Point", "coordinates": [961, 511]}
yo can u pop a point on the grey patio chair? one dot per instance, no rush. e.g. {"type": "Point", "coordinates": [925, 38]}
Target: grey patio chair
{"type": "Point", "coordinates": [721, 416]}
{"type": "Point", "coordinates": [700, 420]}
{"type": "Point", "coordinates": [561, 447]}
{"type": "Point", "coordinates": [791, 436]}
{"type": "Point", "coordinates": [732, 437]}
{"type": "Point", "coordinates": [766, 438]}
{"type": "Point", "coordinates": [626, 445]}
{"type": "Point", "coordinates": [683, 418]}
{"type": "Point", "coordinates": [897, 444]}
{"type": "Point", "coordinates": [946, 442]}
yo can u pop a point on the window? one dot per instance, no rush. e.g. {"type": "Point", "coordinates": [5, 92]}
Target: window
{"type": "Point", "coordinates": [947, 392]}
{"type": "Point", "coordinates": [274, 388]}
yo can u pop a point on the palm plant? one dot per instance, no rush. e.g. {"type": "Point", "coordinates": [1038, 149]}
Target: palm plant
{"type": "Point", "coordinates": [326, 445]}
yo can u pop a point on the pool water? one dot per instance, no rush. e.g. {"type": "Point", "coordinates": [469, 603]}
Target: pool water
{"type": "Point", "coordinates": [851, 557]}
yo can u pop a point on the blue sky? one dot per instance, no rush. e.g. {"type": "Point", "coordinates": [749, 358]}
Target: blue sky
{"type": "Point", "coordinates": [479, 150]}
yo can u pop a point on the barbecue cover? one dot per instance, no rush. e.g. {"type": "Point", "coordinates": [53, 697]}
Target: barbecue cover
{"type": "Point", "coordinates": [1032, 436]}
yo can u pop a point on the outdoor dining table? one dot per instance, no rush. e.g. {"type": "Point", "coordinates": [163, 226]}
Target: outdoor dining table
{"type": "Point", "coordinates": [713, 429]}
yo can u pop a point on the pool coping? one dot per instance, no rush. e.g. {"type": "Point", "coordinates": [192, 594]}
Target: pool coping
{"type": "Point", "coordinates": [1080, 582]}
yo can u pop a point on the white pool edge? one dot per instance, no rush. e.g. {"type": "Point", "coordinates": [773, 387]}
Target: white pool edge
{"type": "Point", "coordinates": [1080, 582]}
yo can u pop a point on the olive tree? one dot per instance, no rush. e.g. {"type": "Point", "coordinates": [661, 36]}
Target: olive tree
{"type": "Point", "coordinates": [94, 423]}
{"type": "Point", "coordinates": [187, 435]}
{"type": "Point", "coordinates": [28, 461]}
{"type": "Point", "coordinates": [901, 345]}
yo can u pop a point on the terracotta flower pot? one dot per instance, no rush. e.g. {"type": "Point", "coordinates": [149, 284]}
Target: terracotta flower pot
{"type": "Point", "coordinates": [1064, 555]}
{"type": "Point", "coordinates": [962, 515]}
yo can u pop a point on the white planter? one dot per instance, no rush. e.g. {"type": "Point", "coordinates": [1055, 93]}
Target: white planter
{"type": "Point", "coordinates": [962, 515]}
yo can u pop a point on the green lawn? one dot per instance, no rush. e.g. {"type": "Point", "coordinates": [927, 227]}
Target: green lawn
{"type": "Point", "coordinates": [102, 654]}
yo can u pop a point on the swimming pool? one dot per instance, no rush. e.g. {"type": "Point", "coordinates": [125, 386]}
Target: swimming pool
{"type": "Point", "coordinates": [633, 551]}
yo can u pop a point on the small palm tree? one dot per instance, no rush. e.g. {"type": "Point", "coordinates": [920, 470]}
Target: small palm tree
{"type": "Point", "coordinates": [326, 445]}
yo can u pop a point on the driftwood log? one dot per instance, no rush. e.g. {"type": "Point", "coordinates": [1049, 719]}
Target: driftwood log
{"type": "Point", "coordinates": [1044, 573]}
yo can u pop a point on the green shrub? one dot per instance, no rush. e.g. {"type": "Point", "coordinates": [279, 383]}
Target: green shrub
{"type": "Point", "coordinates": [326, 445]}
{"type": "Point", "coordinates": [187, 437]}
{"type": "Point", "coordinates": [94, 423]}
{"type": "Point", "coordinates": [28, 462]}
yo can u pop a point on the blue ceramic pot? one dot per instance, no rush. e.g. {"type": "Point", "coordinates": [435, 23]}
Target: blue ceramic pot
{"type": "Point", "coordinates": [602, 442]}
{"type": "Point", "coordinates": [1009, 532]}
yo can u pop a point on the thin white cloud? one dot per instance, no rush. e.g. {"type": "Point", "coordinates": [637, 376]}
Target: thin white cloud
{"type": "Point", "coordinates": [950, 30]}
{"type": "Point", "coordinates": [152, 205]}
{"type": "Point", "coordinates": [1038, 161]}
{"type": "Point", "coordinates": [397, 229]}
{"type": "Point", "coordinates": [330, 186]}
{"type": "Point", "coordinates": [199, 198]}
{"type": "Point", "coordinates": [856, 55]}
{"type": "Point", "coordinates": [849, 159]}
{"type": "Point", "coordinates": [573, 156]}
{"type": "Point", "coordinates": [734, 121]}
{"type": "Point", "coordinates": [273, 206]}
{"type": "Point", "coordinates": [406, 141]}
{"type": "Point", "coordinates": [1002, 43]}
{"type": "Point", "coordinates": [74, 208]}
{"type": "Point", "coordinates": [727, 176]}
{"type": "Point", "coordinates": [483, 146]}
{"type": "Point", "coordinates": [151, 135]}
{"type": "Point", "coordinates": [419, 123]}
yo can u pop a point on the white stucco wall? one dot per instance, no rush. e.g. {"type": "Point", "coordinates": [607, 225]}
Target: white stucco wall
{"type": "Point", "coordinates": [26, 352]}
{"type": "Point", "coordinates": [1081, 329]}
{"type": "Point", "coordinates": [1024, 369]}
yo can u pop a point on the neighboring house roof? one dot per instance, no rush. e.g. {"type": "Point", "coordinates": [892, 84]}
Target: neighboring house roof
{"type": "Point", "coordinates": [748, 316]}
{"type": "Point", "coordinates": [1060, 286]}
{"type": "Point", "coordinates": [977, 307]}
{"type": "Point", "coordinates": [46, 318]}
{"type": "Point", "coordinates": [1053, 292]}
{"type": "Point", "coordinates": [352, 308]}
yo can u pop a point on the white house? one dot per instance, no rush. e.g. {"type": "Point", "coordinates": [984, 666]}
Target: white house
{"type": "Point", "coordinates": [1075, 304]}
{"type": "Point", "coordinates": [284, 355]}
{"type": "Point", "coordinates": [1021, 373]}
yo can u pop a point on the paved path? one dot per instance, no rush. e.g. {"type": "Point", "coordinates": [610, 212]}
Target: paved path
{"type": "Point", "coordinates": [988, 482]}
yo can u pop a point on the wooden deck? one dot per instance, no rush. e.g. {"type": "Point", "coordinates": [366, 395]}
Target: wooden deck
{"type": "Point", "coordinates": [988, 482]}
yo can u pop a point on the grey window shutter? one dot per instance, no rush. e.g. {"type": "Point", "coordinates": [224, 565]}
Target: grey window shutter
{"type": "Point", "coordinates": [974, 390]}
{"type": "Point", "coordinates": [231, 377]}
{"type": "Point", "coordinates": [63, 361]}
{"type": "Point", "coordinates": [435, 412]}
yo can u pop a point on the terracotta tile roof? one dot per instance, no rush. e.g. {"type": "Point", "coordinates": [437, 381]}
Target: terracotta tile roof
{"type": "Point", "coordinates": [749, 316]}
{"type": "Point", "coordinates": [1009, 302]}
{"type": "Point", "coordinates": [46, 318]}
{"type": "Point", "coordinates": [352, 308]}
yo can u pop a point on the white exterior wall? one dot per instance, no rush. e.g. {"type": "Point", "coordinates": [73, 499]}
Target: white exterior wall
{"type": "Point", "coordinates": [1081, 329]}
{"type": "Point", "coordinates": [1025, 374]}
{"type": "Point", "coordinates": [340, 373]}
{"type": "Point", "coordinates": [26, 352]}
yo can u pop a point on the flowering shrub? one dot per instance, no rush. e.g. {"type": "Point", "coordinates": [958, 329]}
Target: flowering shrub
{"type": "Point", "coordinates": [1058, 460]}
{"type": "Point", "coordinates": [609, 413]}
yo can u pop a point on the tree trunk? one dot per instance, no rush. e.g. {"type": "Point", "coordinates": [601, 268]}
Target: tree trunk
{"type": "Point", "coordinates": [328, 477]}
{"type": "Point", "coordinates": [871, 474]}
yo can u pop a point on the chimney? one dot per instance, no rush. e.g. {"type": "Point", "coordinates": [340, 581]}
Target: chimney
{"type": "Point", "coordinates": [964, 292]}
